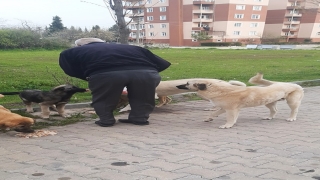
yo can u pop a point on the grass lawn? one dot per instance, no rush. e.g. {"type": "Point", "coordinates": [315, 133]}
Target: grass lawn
{"type": "Point", "coordinates": [39, 69]}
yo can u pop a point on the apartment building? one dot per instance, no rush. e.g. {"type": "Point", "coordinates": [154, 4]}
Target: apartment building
{"type": "Point", "coordinates": [293, 20]}
{"type": "Point", "coordinates": [174, 21]}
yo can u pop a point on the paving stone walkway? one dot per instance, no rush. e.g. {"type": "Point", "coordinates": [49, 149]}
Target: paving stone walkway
{"type": "Point", "coordinates": [177, 145]}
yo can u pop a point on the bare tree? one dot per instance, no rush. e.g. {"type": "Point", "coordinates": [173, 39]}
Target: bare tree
{"type": "Point", "coordinates": [117, 7]}
{"type": "Point", "coordinates": [118, 13]}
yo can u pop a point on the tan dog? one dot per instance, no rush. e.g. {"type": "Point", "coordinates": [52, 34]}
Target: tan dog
{"type": "Point", "coordinates": [232, 98]}
{"type": "Point", "coordinates": [168, 88]}
{"type": "Point", "coordinates": [12, 120]}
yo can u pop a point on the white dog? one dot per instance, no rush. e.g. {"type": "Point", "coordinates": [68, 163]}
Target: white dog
{"type": "Point", "coordinates": [232, 98]}
{"type": "Point", "coordinates": [168, 88]}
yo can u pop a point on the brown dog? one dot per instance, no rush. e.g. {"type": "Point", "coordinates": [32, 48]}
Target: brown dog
{"type": "Point", "coordinates": [14, 121]}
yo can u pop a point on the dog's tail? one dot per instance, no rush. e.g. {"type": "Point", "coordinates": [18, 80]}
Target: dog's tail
{"type": "Point", "coordinates": [258, 80]}
{"type": "Point", "coordinates": [9, 93]}
{"type": "Point", "coordinates": [237, 83]}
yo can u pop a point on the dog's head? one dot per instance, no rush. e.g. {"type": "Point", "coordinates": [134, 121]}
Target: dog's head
{"type": "Point", "coordinates": [195, 85]}
{"type": "Point", "coordinates": [25, 125]}
{"type": "Point", "coordinates": [68, 88]}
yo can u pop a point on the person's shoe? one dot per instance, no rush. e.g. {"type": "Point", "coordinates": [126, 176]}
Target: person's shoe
{"type": "Point", "coordinates": [134, 122]}
{"type": "Point", "coordinates": [102, 124]}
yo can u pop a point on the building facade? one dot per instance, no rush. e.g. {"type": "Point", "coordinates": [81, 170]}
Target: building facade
{"type": "Point", "coordinates": [293, 21]}
{"type": "Point", "coordinates": [175, 22]}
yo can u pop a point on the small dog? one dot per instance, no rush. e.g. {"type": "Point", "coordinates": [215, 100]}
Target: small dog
{"type": "Point", "coordinates": [168, 88]}
{"type": "Point", "coordinates": [232, 98]}
{"type": "Point", "coordinates": [14, 121]}
{"type": "Point", "coordinates": [58, 97]}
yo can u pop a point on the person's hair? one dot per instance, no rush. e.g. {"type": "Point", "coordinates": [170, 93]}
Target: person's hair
{"type": "Point", "coordinates": [84, 41]}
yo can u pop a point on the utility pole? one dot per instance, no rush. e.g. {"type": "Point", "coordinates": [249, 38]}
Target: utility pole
{"type": "Point", "coordinates": [138, 31]}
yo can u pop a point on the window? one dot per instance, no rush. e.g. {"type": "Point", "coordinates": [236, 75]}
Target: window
{"type": "Point", "coordinates": [151, 33]}
{"type": "Point", "coordinates": [162, 1]}
{"type": "Point", "coordinates": [150, 18]}
{"type": "Point", "coordinates": [252, 33]}
{"type": "Point", "coordinates": [194, 40]}
{"type": "Point", "coordinates": [237, 24]}
{"type": "Point", "coordinates": [318, 33]}
{"type": "Point", "coordinates": [238, 16]}
{"type": "Point", "coordinates": [240, 7]}
{"type": "Point", "coordinates": [163, 9]}
{"type": "Point", "coordinates": [257, 0]}
{"type": "Point", "coordinates": [163, 34]}
{"type": "Point", "coordinates": [236, 32]}
{"type": "Point", "coordinates": [255, 16]}
{"type": "Point", "coordinates": [235, 40]}
{"type": "Point", "coordinates": [141, 19]}
{"type": "Point", "coordinates": [204, 16]}
{"type": "Point", "coordinates": [133, 26]}
{"type": "Point", "coordinates": [163, 18]}
{"type": "Point", "coordinates": [140, 11]}
{"type": "Point", "coordinates": [149, 1]}
{"type": "Point", "coordinates": [163, 25]}
{"type": "Point", "coordinates": [133, 34]}
{"type": "Point", "coordinates": [254, 25]}
{"type": "Point", "coordinates": [294, 12]}
{"type": "Point", "coordinates": [150, 26]}
{"type": "Point", "coordinates": [149, 9]}
{"type": "Point", "coordinates": [205, 7]}
{"type": "Point", "coordinates": [257, 8]}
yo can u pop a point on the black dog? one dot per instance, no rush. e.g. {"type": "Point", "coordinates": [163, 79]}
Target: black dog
{"type": "Point", "coordinates": [58, 97]}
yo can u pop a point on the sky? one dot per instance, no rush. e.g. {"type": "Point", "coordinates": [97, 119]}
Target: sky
{"type": "Point", "coordinates": [77, 13]}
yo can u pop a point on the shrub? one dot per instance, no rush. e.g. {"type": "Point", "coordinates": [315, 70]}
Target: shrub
{"type": "Point", "coordinates": [21, 38]}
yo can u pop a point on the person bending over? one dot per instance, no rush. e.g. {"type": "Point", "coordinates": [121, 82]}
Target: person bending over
{"type": "Point", "coordinates": [109, 68]}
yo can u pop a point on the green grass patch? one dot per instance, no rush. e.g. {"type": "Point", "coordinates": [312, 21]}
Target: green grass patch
{"type": "Point", "coordinates": [39, 69]}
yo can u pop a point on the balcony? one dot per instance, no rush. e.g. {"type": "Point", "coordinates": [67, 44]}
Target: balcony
{"type": "Point", "coordinates": [201, 29]}
{"type": "Point", "coordinates": [293, 15]}
{"type": "Point", "coordinates": [203, 2]}
{"type": "Point", "coordinates": [202, 20]}
{"type": "Point", "coordinates": [131, 15]}
{"type": "Point", "coordinates": [291, 22]}
{"type": "Point", "coordinates": [286, 29]}
{"type": "Point", "coordinates": [133, 6]}
{"type": "Point", "coordinates": [199, 11]}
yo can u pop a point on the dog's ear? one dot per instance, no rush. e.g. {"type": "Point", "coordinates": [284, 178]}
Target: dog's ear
{"type": "Point", "coordinates": [201, 87]}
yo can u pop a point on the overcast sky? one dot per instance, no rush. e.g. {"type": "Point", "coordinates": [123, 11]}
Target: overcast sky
{"type": "Point", "coordinates": [40, 13]}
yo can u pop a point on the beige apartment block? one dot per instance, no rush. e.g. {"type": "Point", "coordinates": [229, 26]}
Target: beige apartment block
{"type": "Point", "coordinates": [174, 21]}
{"type": "Point", "coordinates": [293, 21]}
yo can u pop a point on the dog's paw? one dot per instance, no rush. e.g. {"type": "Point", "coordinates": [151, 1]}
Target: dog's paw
{"type": "Point", "coordinates": [66, 116]}
{"type": "Point", "coordinates": [267, 118]}
{"type": "Point", "coordinates": [291, 119]}
{"type": "Point", "coordinates": [208, 120]}
{"type": "Point", "coordinates": [45, 117]}
{"type": "Point", "coordinates": [30, 111]}
{"type": "Point", "coordinates": [226, 126]}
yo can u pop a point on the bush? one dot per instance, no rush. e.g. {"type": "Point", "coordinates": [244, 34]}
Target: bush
{"type": "Point", "coordinates": [21, 38]}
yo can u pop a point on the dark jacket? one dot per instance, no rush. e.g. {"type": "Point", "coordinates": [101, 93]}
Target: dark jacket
{"type": "Point", "coordinates": [93, 58]}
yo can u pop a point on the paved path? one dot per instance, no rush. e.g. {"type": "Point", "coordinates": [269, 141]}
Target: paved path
{"type": "Point", "coordinates": [177, 145]}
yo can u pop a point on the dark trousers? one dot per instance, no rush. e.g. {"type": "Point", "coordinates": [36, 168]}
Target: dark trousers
{"type": "Point", "coordinates": [106, 89]}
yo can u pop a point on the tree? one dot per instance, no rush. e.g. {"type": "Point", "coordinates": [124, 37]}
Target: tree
{"type": "Point", "coordinates": [201, 36]}
{"type": "Point", "coordinates": [95, 28]}
{"type": "Point", "coordinates": [56, 25]}
{"type": "Point", "coordinates": [115, 30]}
{"type": "Point", "coordinates": [117, 7]}
{"type": "Point", "coordinates": [117, 12]}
